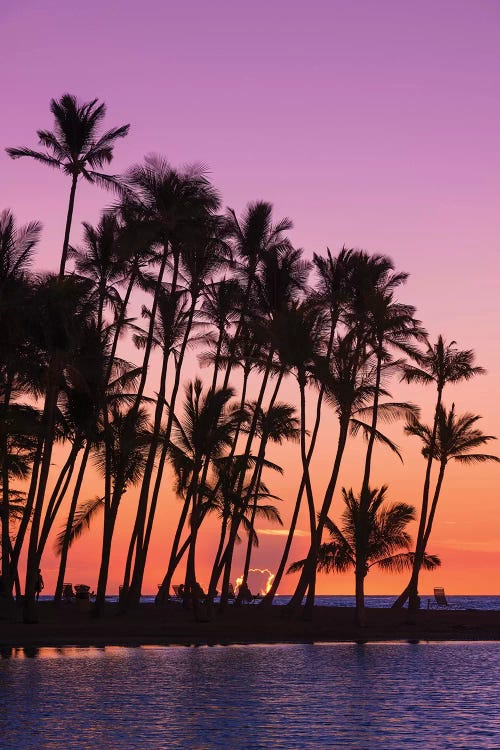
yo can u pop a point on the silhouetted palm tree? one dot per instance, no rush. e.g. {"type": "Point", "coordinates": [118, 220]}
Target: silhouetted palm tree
{"type": "Point", "coordinates": [440, 363]}
{"type": "Point", "coordinates": [370, 535]}
{"type": "Point", "coordinates": [454, 440]}
{"type": "Point", "coordinates": [17, 245]}
{"type": "Point", "coordinates": [77, 147]}
{"type": "Point", "coordinates": [275, 424]}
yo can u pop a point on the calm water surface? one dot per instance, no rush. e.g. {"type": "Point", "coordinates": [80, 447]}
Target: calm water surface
{"type": "Point", "coordinates": [376, 696]}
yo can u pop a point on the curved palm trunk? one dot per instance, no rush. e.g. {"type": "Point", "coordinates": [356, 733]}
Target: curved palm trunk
{"type": "Point", "coordinates": [142, 549]}
{"type": "Point", "coordinates": [107, 538]}
{"type": "Point", "coordinates": [112, 500]}
{"type": "Point", "coordinates": [254, 486]}
{"type": "Point", "coordinates": [268, 598]}
{"type": "Point", "coordinates": [236, 520]}
{"type": "Point", "coordinates": [6, 544]}
{"type": "Point", "coordinates": [295, 601]}
{"type": "Point", "coordinates": [217, 359]}
{"type": "Point", "coordinates": [28, 508]}
{"type": "Point", "coordinates": [243, 315]}
{"type": "Point", "coordinates": [371, 441]}
{"type": "Point", "coordinates": [216, 570]}
{"type": "Point", "coordinates": [403, 597]}
{"type": "Point", "coordinates": [248, 554]}
{"type": "Point", "coordinates": [413, 601]}
{"type": "Point", "coordinates": [29, 608]}
{"type": "Point", "coordinates": [69, 218]}
{"type": "Point", "coordinates": [120, 322]}
{"type": "Point", "coordinates": [57, 497]}
{"type": "Point", "coordinates": [69, 525]}
{"type": "Point", "coordinates": [307, 580]}
{"type": "Point", "coordinates": [164, 591]}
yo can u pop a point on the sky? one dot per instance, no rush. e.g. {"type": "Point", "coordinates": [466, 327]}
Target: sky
{"type": "Point", "coordinates": [371, 124]}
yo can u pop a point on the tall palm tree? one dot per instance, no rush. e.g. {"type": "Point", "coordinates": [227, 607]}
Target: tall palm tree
{"type": "Point", "coordinates": [441, 363]}
{"type": "Point", "coordinates": [254, 236]}
{"type": "Point", "coordinates": [275, 424]}
{"type": "Point", "coordinates": [17, 246]}
{"type": "Point", "coordinates": [370, 535]}
{"type": "Point", "coordinates": [98, 260]}
{"type": "Point", "coordinates": [63, 307]}
{"type": "Point", "coordinates": [128, 437]}
{"type": "Point", "coordinates": [207, 429]}
{"type": "Point", "coordinates": [220, 309]}
{"type": "Point", "coordinates": [76, 146]}
{"type": "Point", "coordinates": [456, 436]}
{"type": "Point", "coordinates": [202, 252]}
{"type": "Point", "coordinates": [298, 334]}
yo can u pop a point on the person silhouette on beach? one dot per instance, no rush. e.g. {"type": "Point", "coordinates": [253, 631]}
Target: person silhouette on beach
{"type": "Point", "coordinates": [39, 584]}
{"type": "Point", "coordinates": [244, 594]}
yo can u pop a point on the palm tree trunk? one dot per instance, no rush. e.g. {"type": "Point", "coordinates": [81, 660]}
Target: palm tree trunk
{"type": "Point", "coordinates": [413, 602]}
{"type": "Point", "coordinates": [6, 544]}
{"type": "Point", "coordinates": [67, 230]}
{"type": "Point", "coordinates": [29, 608]}
{"type": "Point", "coordinates": [58, 496]}
{"type": "Point", "coordinates": [212, 586]}
{"type": "Point", "coordinates": [360, 598]}
{"type": "Point", "coordinates": [243, 315]}
{"type": "Point", "coordinates": [235, 521]}
{"type": "Point", "coordinates": [142, 550]}
{"type": "Point", "coordinates": [167, 579]}
{"type": "Point", "coordinates": [403, 597]}
{"type": "Point", "coordinates": [308, 575]}
{"type": "Point", "coordinates": [69, 524]}
{"type": "Point", "coordinates": [296, 599]}
{"type": "Point", "coordinates": [371, 440]}
{"type": "Point", "coordinates": [268, 598]}
{"type": "Point", "coordinates": [217, 360]}
{"type": "Point", "coordinates": [107, 538]}
{"type": "Point", "coordinates": [119, 322]}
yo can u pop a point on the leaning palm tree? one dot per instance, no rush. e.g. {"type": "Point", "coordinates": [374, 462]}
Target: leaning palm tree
{"type": "Point", "coordinates": [275, 424]}
{"type": "Point", "coordinates": [17, 245]}
{"type": "Point", "coordinates": [128, 438]}
{"type": "Point", "coordinates": [254, 236]}
{"type": "Point", "coordinates": [77, 147]}
{"type": "Point", "coordinates": [441, 363]}
{"type": "Point", "coordinates": [98, 260]}
{"type": "Point", "coordinates": [455, 439]}
{"type": "Point", "coordinates": [370, 535]}
{"type": "Point", "coordinates": [206, 430]}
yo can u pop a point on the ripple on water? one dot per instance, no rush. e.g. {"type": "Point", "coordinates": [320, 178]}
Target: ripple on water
{"type": "Point", "coordinates": [376, 696]}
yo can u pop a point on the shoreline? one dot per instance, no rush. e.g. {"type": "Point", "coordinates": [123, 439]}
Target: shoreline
{"type": "Point", "coordinates": [147, 625]}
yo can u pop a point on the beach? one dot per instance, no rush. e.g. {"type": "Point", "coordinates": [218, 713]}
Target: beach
{"type": "Point", "coordinates": [68, 625]}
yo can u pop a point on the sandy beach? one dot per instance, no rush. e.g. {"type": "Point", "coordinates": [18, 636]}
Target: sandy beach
{"type": "Point", "coordinates": [149, 625]}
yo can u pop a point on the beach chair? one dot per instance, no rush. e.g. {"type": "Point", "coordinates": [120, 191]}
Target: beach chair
{"type": "Point", "coordinates": [67, 592]}
{"type": "Point", "coordinates": [177, 592]}
{"type": "Point", "coordinates": [440, 597]}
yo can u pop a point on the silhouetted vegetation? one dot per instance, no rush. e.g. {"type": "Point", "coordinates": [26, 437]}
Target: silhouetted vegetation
{"type": "Point", "coordinates": [257, 311]}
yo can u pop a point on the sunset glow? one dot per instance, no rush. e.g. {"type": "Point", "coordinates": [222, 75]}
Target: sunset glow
{"type": "Point", "coordinates": [373, 126]}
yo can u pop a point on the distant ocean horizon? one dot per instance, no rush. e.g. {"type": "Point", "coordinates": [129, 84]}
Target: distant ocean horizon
{"type": "Point", "coordinates": [455, 601]}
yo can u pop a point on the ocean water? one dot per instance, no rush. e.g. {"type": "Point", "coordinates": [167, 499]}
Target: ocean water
{"type": "Point", "coordinates": [395, 696]}
{"type": "Point", "coordinates": [464, 601]}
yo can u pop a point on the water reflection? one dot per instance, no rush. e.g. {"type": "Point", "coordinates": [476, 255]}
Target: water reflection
{"type": "Point", "coordinates": [390, 696]}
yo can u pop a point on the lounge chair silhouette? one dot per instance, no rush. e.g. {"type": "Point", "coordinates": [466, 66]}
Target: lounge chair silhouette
{"type": "Point", "coordinates": [440, 597]}
{"type": "Point", "coordinates": [177, 592]}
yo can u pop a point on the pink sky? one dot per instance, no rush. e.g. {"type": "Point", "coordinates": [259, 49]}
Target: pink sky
{"type": "Point", "coordinates": [371, 124]}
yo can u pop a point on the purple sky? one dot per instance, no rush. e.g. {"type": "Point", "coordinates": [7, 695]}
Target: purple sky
{"type": "Point", "coordinates": [374, 123]}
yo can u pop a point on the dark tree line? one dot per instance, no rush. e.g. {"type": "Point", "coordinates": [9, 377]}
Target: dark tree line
{"type": "Point", "coordinates": [254, 306]}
